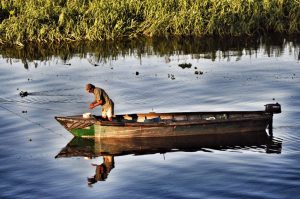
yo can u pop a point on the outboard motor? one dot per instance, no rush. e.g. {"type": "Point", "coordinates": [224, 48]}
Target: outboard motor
{"type": "Point", "coordinates": [272, 109]}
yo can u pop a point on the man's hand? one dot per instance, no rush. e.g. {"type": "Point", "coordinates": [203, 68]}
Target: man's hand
{"type": "Point", "coordinates": [94, 104]}
{"type": "Point", "coordinates": [91, 106]}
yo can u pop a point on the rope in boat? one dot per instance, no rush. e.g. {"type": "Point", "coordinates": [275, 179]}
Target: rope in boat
{"type": "Point", "coordinates": [33, 122]}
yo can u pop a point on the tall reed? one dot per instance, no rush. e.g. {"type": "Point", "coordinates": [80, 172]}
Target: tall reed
{"type": "Point", "coordinates": [75, 20]}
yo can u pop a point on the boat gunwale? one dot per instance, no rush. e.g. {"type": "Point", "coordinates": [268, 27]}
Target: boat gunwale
{"type": "Point", "coordinates": [79, 117]}
{"type": "Point", "coordinates": [262, 115]}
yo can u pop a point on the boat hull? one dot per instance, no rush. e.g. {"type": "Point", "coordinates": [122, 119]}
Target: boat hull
{"type": "Point", "coordinates": [167, 125]}
{"type": "Point", "coordinates": [97, 130]}
{"type": "Point", "coordinates": [177, 130]}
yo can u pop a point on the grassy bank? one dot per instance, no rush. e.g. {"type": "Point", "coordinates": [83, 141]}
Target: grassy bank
{"type": "Point", "coordinates": [75, 20]}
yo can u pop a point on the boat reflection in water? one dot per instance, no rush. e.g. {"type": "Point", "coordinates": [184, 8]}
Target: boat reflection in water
{"type": "Point", "coordinates": [108, 148]}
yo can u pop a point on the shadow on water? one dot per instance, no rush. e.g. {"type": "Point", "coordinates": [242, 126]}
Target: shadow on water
{"type": "Point", "coordinates": [108, 148]}
{"type": "Point", "coordinates": [204, 47]}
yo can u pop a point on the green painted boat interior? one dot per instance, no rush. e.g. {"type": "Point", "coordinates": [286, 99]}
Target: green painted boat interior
{"type": "Point", "coordinates": [87, 131]}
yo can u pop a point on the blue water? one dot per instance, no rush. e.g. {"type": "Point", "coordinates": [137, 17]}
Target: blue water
{"type": "Point", "coordinates": [237, 78]}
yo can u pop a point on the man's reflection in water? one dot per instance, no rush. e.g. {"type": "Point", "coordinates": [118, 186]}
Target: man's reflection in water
{"type": "Point", "coordinates": [102, 170]}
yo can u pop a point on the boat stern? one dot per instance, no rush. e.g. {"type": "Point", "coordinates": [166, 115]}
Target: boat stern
{"type": "Point", "coordinates": [272, 109]}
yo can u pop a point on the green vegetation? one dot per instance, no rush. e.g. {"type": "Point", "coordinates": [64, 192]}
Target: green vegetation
{"type": "Point", "coordinates": [45, 21]}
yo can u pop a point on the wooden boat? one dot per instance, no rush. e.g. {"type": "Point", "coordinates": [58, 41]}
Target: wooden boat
{"type": "Point", "coordinates": [171, 124]}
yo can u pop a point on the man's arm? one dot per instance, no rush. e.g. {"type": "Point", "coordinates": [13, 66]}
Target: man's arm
{"type": "Point", "coordinates": [95, 104]}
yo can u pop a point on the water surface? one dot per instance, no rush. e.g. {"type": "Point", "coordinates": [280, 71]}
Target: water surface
{"type": "Point", "coordinates": [144, 76]}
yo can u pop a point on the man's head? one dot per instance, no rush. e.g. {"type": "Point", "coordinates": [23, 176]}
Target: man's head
{"type": "Point", "coordinates": [89, 88]}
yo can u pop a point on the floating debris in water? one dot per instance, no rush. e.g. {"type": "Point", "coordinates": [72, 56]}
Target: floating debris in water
{"type": "Point", "coordinates": [24, 93]}
{"type": "Point", "coordinates": [137, 73]}
{"type": "Point", "coordinates": [24, 111]}
{"type": "Point", "coordinates": [171, 76]}
{"type": "Point", "coordinates": [198, 72]}
{"type": "Point", "coordinates": [68, 64]}
{"type": "Point", "coordinates": [185, 65]}
{"type": "Point", "coordinates": [30, 139]}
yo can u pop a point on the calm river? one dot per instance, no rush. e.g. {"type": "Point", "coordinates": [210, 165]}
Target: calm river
{"type": "Point", "coordinates": [144, 76]}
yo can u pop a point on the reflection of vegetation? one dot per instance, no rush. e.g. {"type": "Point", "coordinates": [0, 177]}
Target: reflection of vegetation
{"type": "Point", "coordinates": [94, 20]}
{"type": "Point", "coordinates": [205, 47]}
